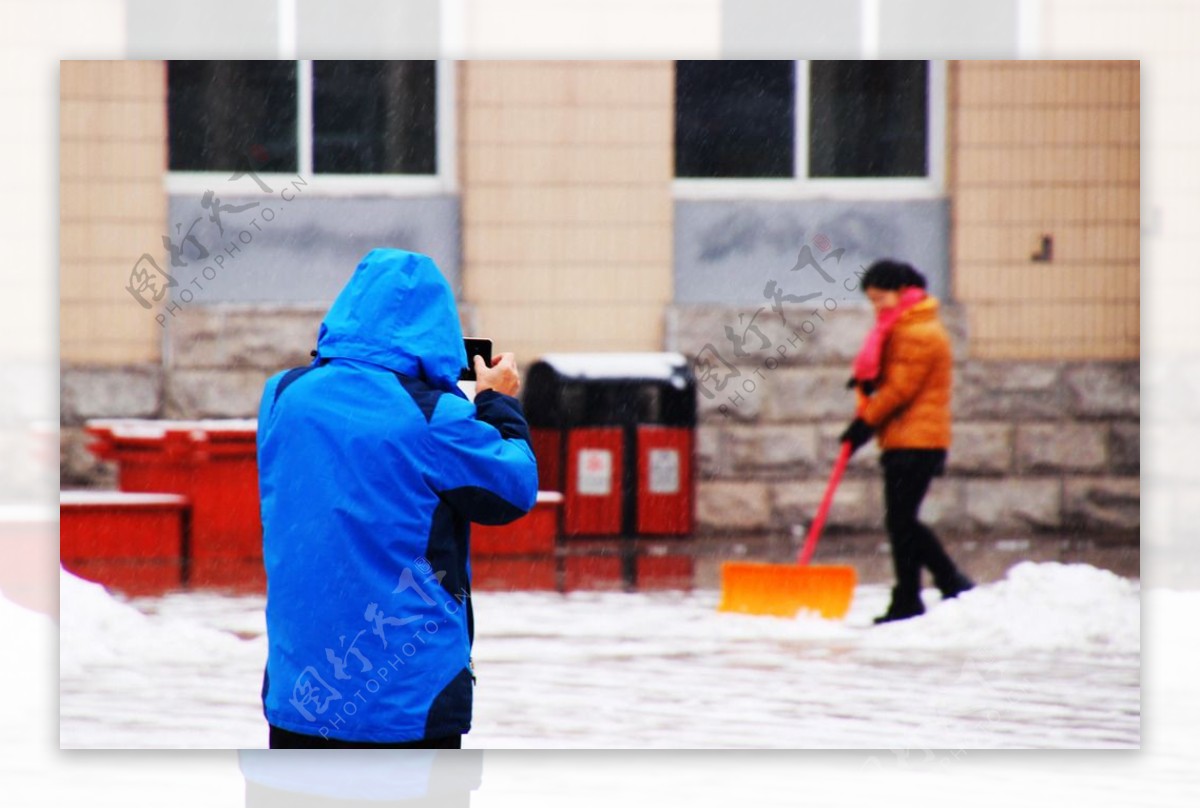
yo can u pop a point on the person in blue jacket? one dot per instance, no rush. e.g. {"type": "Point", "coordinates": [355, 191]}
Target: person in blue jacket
{"type": "Point", "coordinates": [372, 464]}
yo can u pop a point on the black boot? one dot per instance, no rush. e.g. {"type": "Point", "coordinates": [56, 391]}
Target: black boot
{"type": "Point", "coordinates": [958, 584]}
{"type": "Point", "coordinates": [903, 606]}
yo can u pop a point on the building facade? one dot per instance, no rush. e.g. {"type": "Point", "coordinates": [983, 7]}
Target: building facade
{"type": "Point", "coordinates": [210, 212]}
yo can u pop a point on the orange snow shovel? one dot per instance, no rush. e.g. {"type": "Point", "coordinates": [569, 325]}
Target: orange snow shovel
{"type": "Point", "coordinates": [765, 589]}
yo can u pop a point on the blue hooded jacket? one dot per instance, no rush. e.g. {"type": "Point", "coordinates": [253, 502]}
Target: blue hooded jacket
{"type": "Point", "coordinates": [372, 463]}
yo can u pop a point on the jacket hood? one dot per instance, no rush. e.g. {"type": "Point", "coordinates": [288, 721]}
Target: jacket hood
{"type": "Point", "coordinates": [398, 311]}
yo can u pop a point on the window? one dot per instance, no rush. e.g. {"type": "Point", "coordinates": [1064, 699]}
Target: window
{"type": "Point", "coordinates": [344, 118]}
{"type": "Point", "coordinates": [374, 117]}
{"type": "Point", "coordinates": [821, 123]}
{"type": "Point", "coordinates": [867, 119]}
{"type": "Point", "coordinates": [221, 116]}
{"type": "Point", "coordinates": [734, 119]}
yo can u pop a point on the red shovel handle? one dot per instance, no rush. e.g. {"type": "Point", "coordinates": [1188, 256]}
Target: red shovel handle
{"type": "Point", "coordinates": [814, 531]}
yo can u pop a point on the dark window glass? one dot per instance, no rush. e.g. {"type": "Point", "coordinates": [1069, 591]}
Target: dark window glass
{"type": "Point", "coordinates": [735, 119]}
{"type": "Point", "coordinates": [375, 117]}
{"type": "Point", "coordinates": [867, 119]}
{"type": "Point", "coordinates": [231, 116]}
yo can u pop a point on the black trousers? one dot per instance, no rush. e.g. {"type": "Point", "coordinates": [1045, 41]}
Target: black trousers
{"type": "Point", "coordinates": [907, 474]}
{"type": "Point", "coordinates": [286, 739]}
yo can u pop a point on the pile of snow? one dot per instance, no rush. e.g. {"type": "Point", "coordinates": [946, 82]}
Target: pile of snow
{"type": "Point", "coordinates": [128, 679]}
{"type": "Point", "coordinates": [96, 629]}
{"type": "Point", "coordinates": [33, 771]}
{"type": "Point", "coordinates": [1038, 606]}
{"type": "Point", "coordinates": [240, 614]}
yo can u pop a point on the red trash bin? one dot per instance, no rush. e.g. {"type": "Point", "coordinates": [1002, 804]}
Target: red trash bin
{"type": "Point", "coordinates": [665, 484]}
{"type": "Point", "coordinates": [133, 542]}
{"type": "Point", "coordinates": [595, 482]}
{"type": "Point", "coordinates": [534, 534]}
{"type": "Point", "coordinates": [212, 462]}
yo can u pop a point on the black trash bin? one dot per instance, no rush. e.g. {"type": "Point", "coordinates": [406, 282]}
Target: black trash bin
{"type": "Point", "coordinates": [615, 434]}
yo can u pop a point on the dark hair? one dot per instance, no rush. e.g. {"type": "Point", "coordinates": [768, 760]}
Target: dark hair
{"type": "Point", "coordinates": [892, 275]}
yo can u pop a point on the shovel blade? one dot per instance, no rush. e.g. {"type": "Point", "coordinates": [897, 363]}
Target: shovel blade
{"type": "Point", "coordinates": [757, 588]}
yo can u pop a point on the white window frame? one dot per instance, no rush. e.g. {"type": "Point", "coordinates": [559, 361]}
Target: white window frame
{"type": "Point", "coordinates": [444, 181]}
{"type": "Point", "coordinates": [801, 186]}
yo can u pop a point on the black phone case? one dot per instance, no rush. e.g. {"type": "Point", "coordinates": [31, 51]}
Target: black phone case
{"type": "Point", "coordinates": [473, 346]}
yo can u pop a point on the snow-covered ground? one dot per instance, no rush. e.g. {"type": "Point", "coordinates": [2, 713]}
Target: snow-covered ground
{"type": "Point", "coordinates": [1048, 658]}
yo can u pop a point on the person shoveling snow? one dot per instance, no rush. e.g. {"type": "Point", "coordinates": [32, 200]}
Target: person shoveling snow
{"type": "Point", "coordinates": [903, 378]}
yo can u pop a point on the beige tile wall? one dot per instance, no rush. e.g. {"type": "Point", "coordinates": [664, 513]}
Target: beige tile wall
{"type": "Point", "coordinates": [112, 206]}
{"type": "Point", "coordinates": [566, 172]}
{"type": "Point", "coordinates": [1046, 148]}
{"type": "Point", "coordinates": [1164, 33]}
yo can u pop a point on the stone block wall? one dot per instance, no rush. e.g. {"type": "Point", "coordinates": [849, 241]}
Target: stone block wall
{"type": "Point", "coordinates": [218, 357]}
{"type": "Point", "coordinates": [215, 361]}
{"type": "Point", "coordinates": [1039, 447]}
{"type": "Point", "coordinates": [101, 391]}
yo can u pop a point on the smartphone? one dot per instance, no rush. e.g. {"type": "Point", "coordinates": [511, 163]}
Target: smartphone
{"type": "Point", "coordinates": [475, 346]}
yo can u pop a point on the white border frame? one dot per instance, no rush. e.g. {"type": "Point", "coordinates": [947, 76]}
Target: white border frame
{"type": "Point", "coordinates": [285, 14]}
{"type": "Point", "coordinates": [1029, 29]}
{"type": "Point", "coordinates": [445, 181]}
{"type": "Point", "coordinates": [801, 186]}
{"type": "Point", "coordinates": [869, 32]}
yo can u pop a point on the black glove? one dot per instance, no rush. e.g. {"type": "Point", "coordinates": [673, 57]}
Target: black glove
{"type": "Point", "coordinates": [868, 386]}
{"type": "Point", "coordinates": [858, 433]}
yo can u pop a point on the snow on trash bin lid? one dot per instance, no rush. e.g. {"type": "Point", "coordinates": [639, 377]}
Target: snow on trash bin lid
{"type": "Point", "coordinates": [159, 428]}
{"type": "Point", "coordinates": [114, 499]}
{"type": "Point", "coordinates": [665, 365]}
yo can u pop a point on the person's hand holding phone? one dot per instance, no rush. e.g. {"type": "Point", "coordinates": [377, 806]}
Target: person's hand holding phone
{"type": "Point", "coordinates": [502, 377]}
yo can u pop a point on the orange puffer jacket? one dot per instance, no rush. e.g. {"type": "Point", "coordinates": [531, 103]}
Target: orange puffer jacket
{"type": "Point", "coordinates": [910, 409]}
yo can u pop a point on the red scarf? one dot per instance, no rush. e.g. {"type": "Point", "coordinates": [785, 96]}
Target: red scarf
{"type": "Point", "coordinates": [866, 364]}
